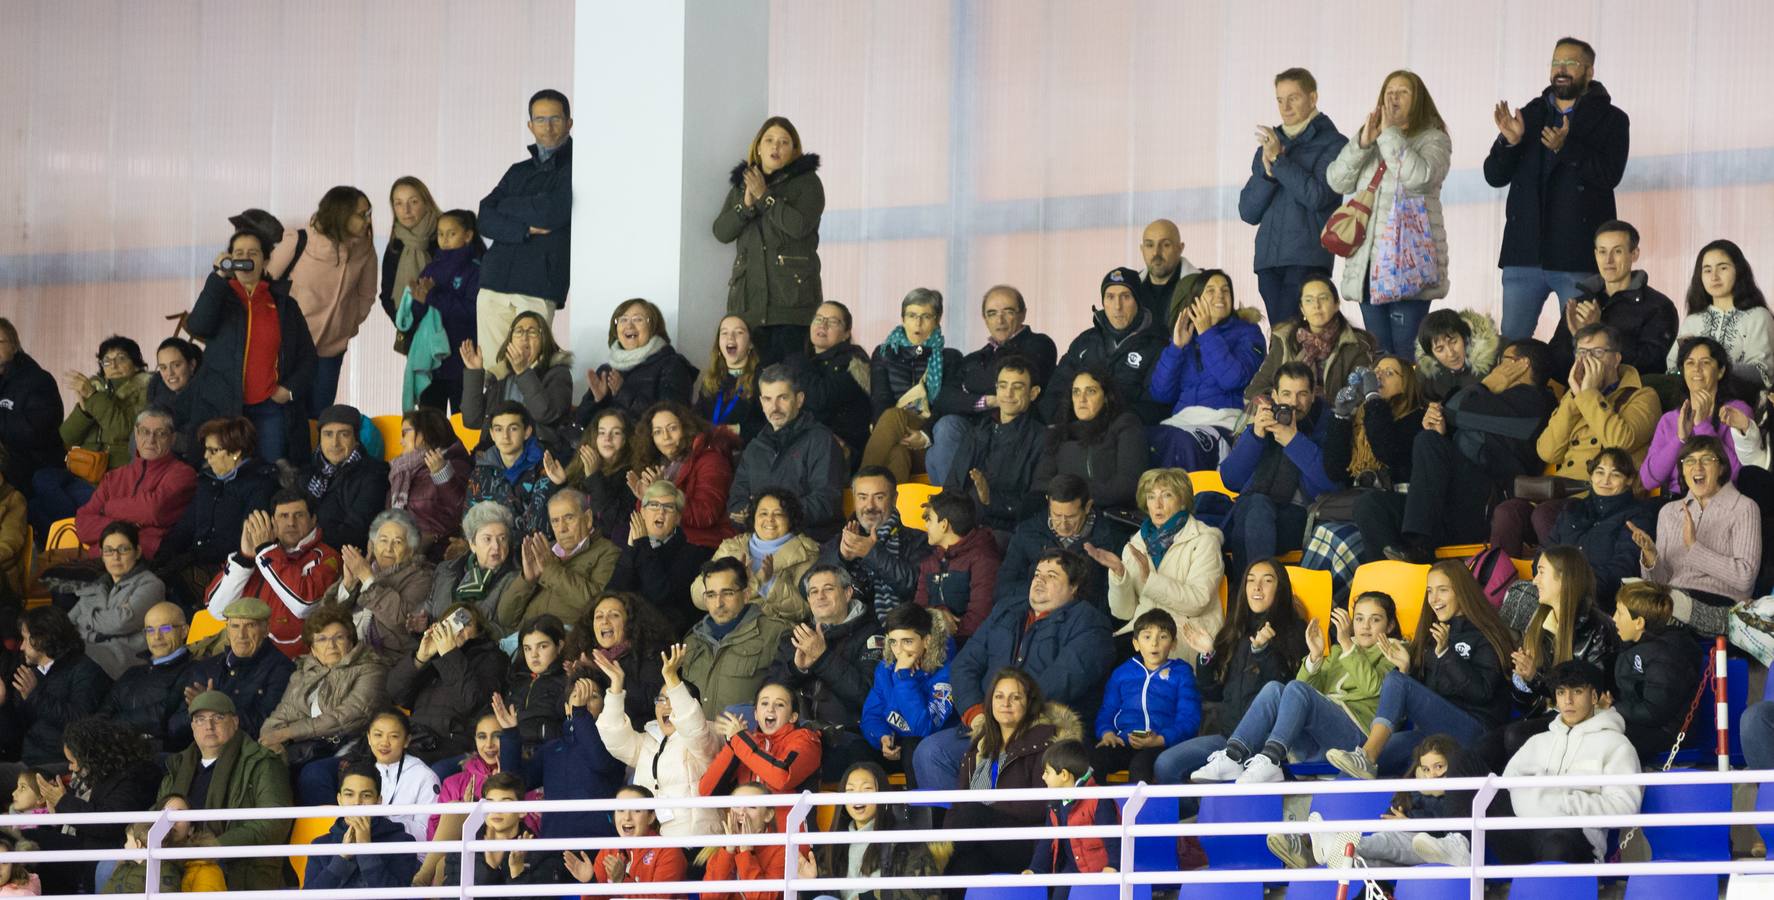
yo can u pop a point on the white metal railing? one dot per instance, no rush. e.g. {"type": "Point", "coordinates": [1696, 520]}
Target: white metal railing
{"type": "Point", "coordinates": [793, 839]}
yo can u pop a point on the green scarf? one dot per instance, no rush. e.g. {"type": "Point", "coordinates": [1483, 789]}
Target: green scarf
{"type": "Point", "coordinates": [932, 366]}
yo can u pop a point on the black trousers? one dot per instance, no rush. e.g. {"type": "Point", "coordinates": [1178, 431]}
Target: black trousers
{"type": "Point", "coordinates": [1528, 846]}
{"type": "Point", "coordinates": [1447, 495]}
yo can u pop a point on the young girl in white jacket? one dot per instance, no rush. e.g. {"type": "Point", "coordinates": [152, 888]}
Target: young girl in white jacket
{"type": "Point", "coordinates": [671, 753]}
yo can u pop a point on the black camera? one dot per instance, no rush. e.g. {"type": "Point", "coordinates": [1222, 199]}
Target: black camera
{"type": "Point", "coordinates": [230, 264]}
{"type": "Point", "coordinates": [1284, 414]}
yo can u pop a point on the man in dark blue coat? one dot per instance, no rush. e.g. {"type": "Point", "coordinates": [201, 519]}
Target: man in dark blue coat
{"type": "Point", "coordinates": [1064, 645]}
{"type": "Point", "coordinates": [361, 785]}
{"type": "Point", "coordinates": [1561, 155]}
{"type": "Point", "coordinates": [1287, 197]}
{"type": "Point", "coordinates": [30, 413]}
{"type": "Point", "coordinates": [1277, 468]}
{"type": "Point", "coordinates": [528, 218]}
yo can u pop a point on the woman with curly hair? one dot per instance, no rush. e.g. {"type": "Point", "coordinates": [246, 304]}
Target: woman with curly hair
{"type": "Point", "coordinates": [113, 772]}
{"type": "Point", "coordinates": [679, 445]}
{"type": "Point", "coordinates": [629, 632]}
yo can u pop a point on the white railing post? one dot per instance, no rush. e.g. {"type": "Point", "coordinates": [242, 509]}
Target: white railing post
{"type": "Point", "coordinates": [791, 860]}
{"type": "Point", "coordinates": [470, 830]}
{"type": "Point", "coordinates": [151, 868]}
{"type": "Point", "coordinates": [1481, 803]}
{"type": "Point", "coordinates": [1130, 812]}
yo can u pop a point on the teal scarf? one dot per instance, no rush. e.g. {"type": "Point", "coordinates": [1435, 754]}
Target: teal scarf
{"type": "Point", "coordinates": [1159, 537]}
{"type": "Point", "coordinates": [932, 364]}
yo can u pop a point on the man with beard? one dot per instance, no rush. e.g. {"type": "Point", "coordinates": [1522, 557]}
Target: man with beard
{"type": "Point", "coordinates": [880, 554]}
{"type": "Point", "coordinates": [1561, 155]}
{"type": "Point", "coordinates": [1161, 284]}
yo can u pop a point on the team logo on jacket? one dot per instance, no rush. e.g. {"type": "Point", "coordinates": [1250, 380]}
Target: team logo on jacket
{"type": "Point", "coordinates": [648, 859]}
{"type": "Point", "coordinates": [1638, 664]}
{"type": "Point", "coordinates": [1164, 674]}
{"type": "Point", "coordinates": [1464, 649]}
{"type": "Point", "coordinates": [1134, 359]}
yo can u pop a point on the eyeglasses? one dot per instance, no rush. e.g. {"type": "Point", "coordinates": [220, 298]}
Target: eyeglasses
{"type": "Point", "coordinates": [661, 700]}
{"type": "Point", "coordinates": [150, 631]}
{"type": "Point", "coordinates": [633, 320]}
{"type": "Point", "coordinates": [116, 551]}
{"type": "Point", "coordinates": [331, 639]}
{"type": "Point", "coordinates": [115, 359]}
{"type": "Point", "coordinates": [211, 449]}
{"type": "Point", "coordinates": [1567, 64]}
{"type": "Point", "coordinates": [835, 322]}
{"type": "Point", "coordinates": [655, 506]}
{"type": "Point", "coordinates": [1595, 353]}
{"type": "Point", "coordinates": [526, 332]}
{"type": "Point", "coordinates": [547, 121]}
{"type": "Point", "coordinates": [1701, 459]}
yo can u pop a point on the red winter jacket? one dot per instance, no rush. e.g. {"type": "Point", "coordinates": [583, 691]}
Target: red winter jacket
{"type": "Point", "coordinates": [705, 479]}
{"type": "Point", "coordinates": [1089, 854]}
{"type": "Point", "coordinates": [153, 495]}
{"type": "Point", "coordinates": [784, 762]}
{"type": "Point", "coordinates": [961, 579]}
{"type": "Point", "coordinates": [644, 867]}
{"type": "Point", "coordinates": [749, 864]}
{"type": "Point", "coordinates": [291, 582]}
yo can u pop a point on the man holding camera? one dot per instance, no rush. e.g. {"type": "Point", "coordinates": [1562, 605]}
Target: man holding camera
{"type": "Point", "coordinates": [1277, 469]}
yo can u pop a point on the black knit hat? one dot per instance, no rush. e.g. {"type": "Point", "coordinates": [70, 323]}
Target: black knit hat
{"type": "Point", "coordinates": [1122, 275]}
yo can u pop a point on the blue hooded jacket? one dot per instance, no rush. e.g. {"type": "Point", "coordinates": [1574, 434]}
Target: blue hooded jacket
{"type": "Point", "coordinates": [574, 766]}
{"type": "Point", "coordinates": [362, 870]}
{"type": "Point", "coordinates": [1215, 367]}
{"type": "Point", "coordinates": [1140, 699]}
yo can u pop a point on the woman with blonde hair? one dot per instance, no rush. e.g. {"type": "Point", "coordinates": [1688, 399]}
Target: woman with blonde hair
{"type": "Point", "coordinates": [412, 242]}
{"type": "Point", "coordinates": [772, 213]}
{"type": "Point", "coordinates": [1173, 563]}
{"type": "Point", "coordinates": [1404, 148]}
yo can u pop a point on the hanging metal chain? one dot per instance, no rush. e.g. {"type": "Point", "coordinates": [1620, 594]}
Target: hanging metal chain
{"type": "Point", "coordinates": [1626, 838]}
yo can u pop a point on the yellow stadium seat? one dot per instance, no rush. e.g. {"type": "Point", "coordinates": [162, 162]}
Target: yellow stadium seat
{"type": "Point", "coordinates": [1459, 551]}
{"type": "Point", "coordinates": [470, 437]}
{"type": "Point", "coordinates": [304, 831]}
{"type": "Point", "coordinates": [63, 536]}
{"type": "Point", "coordinates": [203, 625]}
{"type": "Point", "coordinates": [1404, 582]}
{"type": "Point", "coordinates": [1312, 588]}
{"type": "Point", "coordinates": [1209, 481]}
{"type": "Point", "coordinates": [1524, 568]}
{"type": "Point", "coordinates": [912, 497]}
{"type": "Point", "coordinates": [1291, 557]}
{"type": "Point", "coordinates": [389, 426]}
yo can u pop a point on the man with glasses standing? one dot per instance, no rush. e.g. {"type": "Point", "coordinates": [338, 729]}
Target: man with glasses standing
{"type": "Point", "coordinates": [528, 218]}
{"type": "Point", "coordinates": [151, 492]}
{"type": "Point", "coordinates": [1607, 406]}
{"type": "Point", "coordinates": [1561, 155]}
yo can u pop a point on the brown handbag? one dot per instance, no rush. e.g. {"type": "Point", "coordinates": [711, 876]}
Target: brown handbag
{"type": "Point", "coordinates": [88, 465]}
{"type": "Point", "coordinates": [1539, 488]}
{"type": "Point", "coordinates": [1346, 230]}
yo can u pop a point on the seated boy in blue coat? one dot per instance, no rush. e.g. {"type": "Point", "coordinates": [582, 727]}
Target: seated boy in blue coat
{"type": "Point", "coordinates": [361, 785]}
{"type": "Point", "coordinates": [1065, 765]}
{"type": "Point", "coordinates": [912, 696]}
{"type": "Point", "coordinates": [1151, 703]}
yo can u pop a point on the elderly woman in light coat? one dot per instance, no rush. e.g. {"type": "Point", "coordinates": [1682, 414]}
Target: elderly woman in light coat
{"type": "Point", "coordinates": [481, 576]}
{"type": "Point", "coordinates": [1405, 131]}
{"type": "Point", "coordinates": [109, 610]}
{"type": "Point", "coordinates": [329, 700]}
{"type": "Point", "coordinates": [386, 589]}
{"type": "Point", "coordinates": [1173, 563]}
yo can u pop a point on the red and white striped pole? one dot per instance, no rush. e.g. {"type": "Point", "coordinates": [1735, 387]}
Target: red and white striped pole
{"type": "Point", "coordinates": [1722, 708]}
{"type": "Point", "coordinates": [1343, 883]}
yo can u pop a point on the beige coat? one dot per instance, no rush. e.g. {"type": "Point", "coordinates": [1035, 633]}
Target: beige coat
{"type": "Point", "coordinates": [347, 694]}
{"type": "Point", "coordinates": [1186, 584]}
{"type": "Point", "coordinates": [380, 610]}
{"type": "Point", "coordinates": [785, 599]}
{"type": "Point", "coordinates": [336, 289]}
{"type": "Point", "coordinates": [565, 588]}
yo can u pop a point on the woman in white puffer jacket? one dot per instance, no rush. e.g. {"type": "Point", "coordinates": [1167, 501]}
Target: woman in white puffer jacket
{"type": "Point", "coordinates": [1405, 130]}
{"type": "Point", "coordinates": [678, 727]}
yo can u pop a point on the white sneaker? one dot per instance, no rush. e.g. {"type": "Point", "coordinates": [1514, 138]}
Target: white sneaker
{"type": "Point", "coordinates": [1220, 767]}
{"type": "Point", "coordinates": [1260, 770]}
{"type": "Point", "coordinates": [1331, 848]}
{"type": "Point", "coordinates": [1291, 849]}
{"type": "Point", "coordinates": [1449, 849]}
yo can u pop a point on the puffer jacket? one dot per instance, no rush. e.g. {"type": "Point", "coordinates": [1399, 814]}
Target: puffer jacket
{"type": "Point", "coordinates": [915, 702]}
{"type": "Point", "coordinates": [784, 598]}
{"type": "Point", "coordinates": [108, 614]}
{"type": "Point", "coordinates": [1472, 678]}
{"type": "Point", "coordinates": [1594, 641]}
{"type": "Point", "coordinates": [1129, 354]}
{"type": "Point", "coordinates": [547, 392]}
{"type": "Point", "coordinates": [526, 494]}
{"type": "Point", "coordinates": [705, 478]}
{"type": "Point", "coordinates": [960, 579]}
{"type": "Point", "coordinates": [668, 765]}
{"type": "Point", "coordinates": [334, 285]}
{"type": "Point", "coordinates": [784, 762]}
{"type": "Point", "coordinates": [395, 594]}
{"type": "Point", "coordinates": [1019, 767]}
{"type": "Point", "coordinates": [837, 382]}
{"type": "Point", "coordinates": [664, 375]}
{"type": "Point", "coordinates": [1481, 356]}
{"type": "Point", "coordinates": [437, 505]}
{"type": "Point", "coordinates": [1111, 461]}
{"type": "Point", "coordinates": [1213, 369]}
{"type": "Point", "coordinates": [1162, 700]}
{"type": "Point", "coordinates": [106, 420]}
{"type": "Point", "coordinates": [1655, 678]}
{"type": "Point", "coordinates": [1236, 682]}
{"type": "Point", "coordinates": [30, 408]}
{"type": "Point", "coordinates": [893, 371]}
{"type": "Point", "coordinates": [1186, 583]}
{"type": "Point", "coordinates": [210, 528]}
{"type": "Point", "coordinates": [1416, 165]}
{"type": "Point", "coordinates": [1597, 526]}
{"type": "Point", "coordinates": [1290, 202]}
{"type": "Point", "coordinates": [1068, 652]}
{"type": "Point", "coordinates": [730, 669]}
{"type": "Point", "coordinates": [347, 694]}
{"type": "Point", "coordinates": [247, 776]}
{"type": "Point", "coordinates": [540, 702]}
{"type": "Point", "coordinates": [832, 692]}
{"type": "Point", "coordinates": [775, 279]}
{"type": "Point", "coordinates": [1353, 349]}
{"type": "Point", "coordinates": [223, 323]}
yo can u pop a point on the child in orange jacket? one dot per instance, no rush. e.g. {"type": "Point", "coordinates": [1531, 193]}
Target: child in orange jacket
{"type": "Point", "coordinates": [745, 863]}
{"type": "Point", "coordinates": [780, 755]}
{"type": "Point", "coordinates": [637, 866]}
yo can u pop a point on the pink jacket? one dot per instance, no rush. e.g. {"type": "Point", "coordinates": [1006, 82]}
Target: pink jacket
{"type": "Point", "coordinates": [336, 291]}
{"type": "Point", "coordinates": [153, 495]}
{"type": "Point", "coordinates": [31, 888]}
{"type": "Point", "coordinates": [1661, 468]}
{"type": "Point", "coordinates": [473, 779]}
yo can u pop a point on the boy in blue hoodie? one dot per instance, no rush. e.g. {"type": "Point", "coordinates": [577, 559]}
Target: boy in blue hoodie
{"type": "Point", "coordinates": [912, 696]}
{"type": "Point", "coordinates": [1150, 703]}
{"type": "Point", "coordinates": [361, 785]}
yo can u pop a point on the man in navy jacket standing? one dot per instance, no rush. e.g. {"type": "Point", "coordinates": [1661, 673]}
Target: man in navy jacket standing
{"type": "Point", "coordinates": [528, 218]}
{"type": "Point", "coordinates": [1561, 155]}
{"type": "Point", "coordinates": [1287, 197]}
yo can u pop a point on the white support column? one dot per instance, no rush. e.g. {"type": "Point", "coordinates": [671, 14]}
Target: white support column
{"type": "Point", "coordinates": [666, 95]}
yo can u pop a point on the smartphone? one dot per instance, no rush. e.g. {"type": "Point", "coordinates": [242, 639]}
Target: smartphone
{"type": "Point", "coordinates": [1138, 734]}
{"type": "Point", "coordinates": [457, 621]}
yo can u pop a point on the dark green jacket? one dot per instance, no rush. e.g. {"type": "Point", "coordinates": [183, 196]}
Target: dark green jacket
{"type": "Point", "coordinates": [775, 278]}
{"type": "Point", "coordinates": [247, 775]}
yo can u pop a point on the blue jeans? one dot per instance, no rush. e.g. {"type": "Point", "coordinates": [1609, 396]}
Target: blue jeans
{"type": "Point", "coordinates": [1758, 735]}
{"type": "Point", "coordinates": [937, 760]}
{"type": "Point", "coordinates": [1280, 287]}
{"type": "Point", "coordinates": [1524, 293]}
{"type": "Point", "coordinates": [271, 425]}
{"type": "Point", "coordinates": [1403, 698]}
{"type": "Point", "coordinates": [1395, 325]}
{"type": "Point", "coordinates": [945, 442]}
{"type": "Point", "coordinates": [56, 494]}
{"type": "Point", "coordinates": [1260, 528]}
{"type": "Point", "coordinates": [326, 384]}
{"type": "Point", "coordinates": [1299, 718]}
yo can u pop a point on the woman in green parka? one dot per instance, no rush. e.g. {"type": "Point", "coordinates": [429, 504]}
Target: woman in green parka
{"type": "Point", "coordinates": [103, 419]}
{"type": "Point", "coordinates": [772, 212]}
